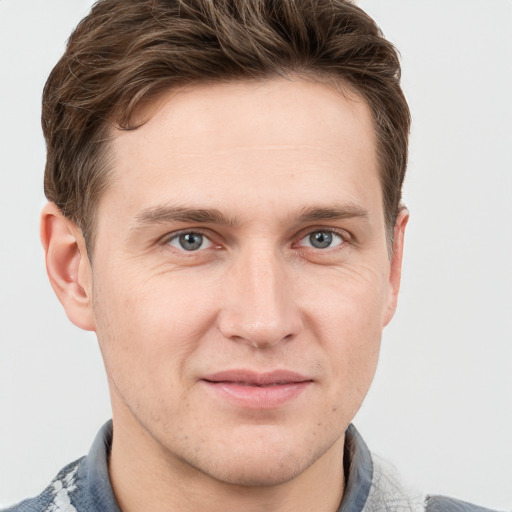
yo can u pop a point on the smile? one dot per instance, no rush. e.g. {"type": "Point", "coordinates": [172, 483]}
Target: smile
{"type": "Point", "coordinates": [253, 390]}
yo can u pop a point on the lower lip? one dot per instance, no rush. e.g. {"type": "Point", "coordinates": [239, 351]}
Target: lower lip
{"type": "Point", "coordinates": [258, 397]}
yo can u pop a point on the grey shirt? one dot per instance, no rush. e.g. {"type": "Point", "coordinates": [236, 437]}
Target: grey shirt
{"type": "Point", "coordinates": [371, 486]}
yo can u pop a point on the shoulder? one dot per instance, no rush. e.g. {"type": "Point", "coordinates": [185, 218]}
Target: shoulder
{"type": "Point", "coordinates": [83, 485]}
{"type": "Point", "coordinates": [58, 496]}
{"type": "Point", "coordinates": [373, 484]}
{"type": "Point", "coordinates": [389, 492]}
{"type": "Point", "coordinates": [445, 504]}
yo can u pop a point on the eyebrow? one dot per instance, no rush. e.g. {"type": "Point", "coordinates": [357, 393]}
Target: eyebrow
{"type": "Point", "coordinates": [348, 211]}
{"type": "Point", "coordinates": [168, 214]}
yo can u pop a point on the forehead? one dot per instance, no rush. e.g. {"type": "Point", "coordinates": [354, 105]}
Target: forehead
{"type": "Point", "coordinates": [273, 139]}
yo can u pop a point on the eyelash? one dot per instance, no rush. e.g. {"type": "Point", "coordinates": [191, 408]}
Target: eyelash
{"type": "Point", "coordinates": [342, 234]}
{"type": "Point", "coordinates": [175, 236]}
{"type": "Point", "coordinates": [333, 232]}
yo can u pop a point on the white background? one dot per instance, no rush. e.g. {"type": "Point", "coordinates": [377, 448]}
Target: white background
{"type": "Point", "coordinates": [441, 405]}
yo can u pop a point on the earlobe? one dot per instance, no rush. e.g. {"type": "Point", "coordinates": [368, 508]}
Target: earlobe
{"type": "Point", "coordinates": [396, 264]}
{"type": "Point", "coordinates": [67, 265]}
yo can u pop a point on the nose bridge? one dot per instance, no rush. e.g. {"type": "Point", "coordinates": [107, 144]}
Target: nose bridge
{"type": "Point", "coordinates": [260, 310]}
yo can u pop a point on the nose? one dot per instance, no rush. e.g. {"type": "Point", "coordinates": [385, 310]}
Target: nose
{"type": "Point", "coordinates": [259, 307]}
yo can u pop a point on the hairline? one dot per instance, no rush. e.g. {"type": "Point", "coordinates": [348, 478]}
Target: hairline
{"type": "Point", "coordinates": [110, 127]}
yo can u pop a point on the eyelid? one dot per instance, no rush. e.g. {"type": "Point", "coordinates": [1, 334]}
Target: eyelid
{"type": "Point", "coordinates": [166, 239]}
{"type": "Point", "coordinates": [342, 233]}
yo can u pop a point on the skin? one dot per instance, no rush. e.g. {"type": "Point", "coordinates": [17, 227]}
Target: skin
{"type": "Point", "coordinates": [278, 161]}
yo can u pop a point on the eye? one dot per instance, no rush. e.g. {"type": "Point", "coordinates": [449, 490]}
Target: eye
{"type": "Point", "coordinates": [190, 241]}
{"type": "Point", "coordinates": [321, 239]}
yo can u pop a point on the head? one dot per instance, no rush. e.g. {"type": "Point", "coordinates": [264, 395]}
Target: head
{"type": "Point", "coordinates": [127, 52]}
{"type": "Point", "coordinates": [225, 182]}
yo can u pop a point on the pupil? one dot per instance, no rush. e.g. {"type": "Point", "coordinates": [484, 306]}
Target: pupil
{"type": "Point", "coordinates": [320, 239]}
{"type": "Point", "coordinates": [191, 241]}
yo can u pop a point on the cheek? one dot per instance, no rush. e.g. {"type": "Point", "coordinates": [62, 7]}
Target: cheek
{"type": "Point", "coordinates": [354, 352]}
{"type": "Point", "coordinates": [346, 318]}
{"type": "Point", "coordinates": [148, 327]}
{"type": "Point", "coordinates": [350, 299]}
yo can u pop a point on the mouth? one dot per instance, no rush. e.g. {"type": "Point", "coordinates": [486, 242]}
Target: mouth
{"type": "Point", "coordinates": [254, 390]}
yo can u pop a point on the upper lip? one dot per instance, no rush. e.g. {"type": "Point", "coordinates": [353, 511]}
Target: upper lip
{"type": "Point", "coordinates": [253, 378]}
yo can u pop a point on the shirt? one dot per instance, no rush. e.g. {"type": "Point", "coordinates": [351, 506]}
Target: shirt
{"type": "Point", "coordinates": [371, 484]}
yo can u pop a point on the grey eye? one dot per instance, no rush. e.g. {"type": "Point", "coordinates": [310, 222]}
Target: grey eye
{"type": "Point", "coordinates": [322, 240]}
{"type": "Point", "coordinates": [190, 241]}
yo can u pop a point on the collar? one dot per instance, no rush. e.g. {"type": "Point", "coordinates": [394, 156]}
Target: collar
{"type": "Point", "coordinates": [93, 471]}
{"type": "Point", "coordinates": [358, 464]}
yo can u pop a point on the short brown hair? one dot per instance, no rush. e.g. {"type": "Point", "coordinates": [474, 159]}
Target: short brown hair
{"type": "Point", "coordinates": [126, 51]}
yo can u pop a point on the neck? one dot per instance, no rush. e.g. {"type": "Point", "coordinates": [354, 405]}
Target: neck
{"type": "Point", "coordinates": [146, 477]}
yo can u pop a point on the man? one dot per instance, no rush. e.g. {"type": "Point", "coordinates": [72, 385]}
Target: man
{"type": "Point", "coordinates": [224, 182]}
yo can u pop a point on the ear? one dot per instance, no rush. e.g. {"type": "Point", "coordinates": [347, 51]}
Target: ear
{"type": "Point", "coordinates": [68, 266]}
{"type": "Point", "coordinates": [395, 274]}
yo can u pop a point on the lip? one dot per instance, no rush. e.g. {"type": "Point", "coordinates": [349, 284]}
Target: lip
{"type": "Point", "coordinates": [253, 390]}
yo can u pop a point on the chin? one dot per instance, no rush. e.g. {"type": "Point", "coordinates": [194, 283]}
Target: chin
{"type": "Point", "coordinates": [260, 471]}
{"type": "Point", "coordinates": [260, 461]}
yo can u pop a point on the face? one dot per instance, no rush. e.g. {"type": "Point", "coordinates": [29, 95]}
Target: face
{"type": "Point", "coordinates": [241, 277]}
